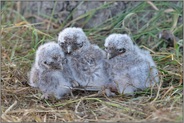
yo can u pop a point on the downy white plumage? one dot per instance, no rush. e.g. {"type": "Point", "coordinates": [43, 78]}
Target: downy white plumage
{"type": "Point", "coordinates": [50, 72]}
{"type": "Point", "coordinates": [130, 68]}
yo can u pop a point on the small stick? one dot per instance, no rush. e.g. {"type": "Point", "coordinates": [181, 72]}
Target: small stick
{"type": "Point", "coordinates": [7, 110]}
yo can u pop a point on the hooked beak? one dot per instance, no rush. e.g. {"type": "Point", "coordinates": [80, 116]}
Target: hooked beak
{"type": "Point", "coordinates": [69, 49]}
{"type": "Point", "coordinates": [108, 55]}
{"type": "Point", "coordinates": [61, 66]}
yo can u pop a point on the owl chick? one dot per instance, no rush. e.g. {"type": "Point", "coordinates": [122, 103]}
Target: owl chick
{"type": "Point", "coordinates": [85, 60]}
{"type": "Point", "coordinates": [50, 72]}
{"type": "Point", "coordinates": [130, 68]}
{"type": "Point", "coordinates": [88, 68]}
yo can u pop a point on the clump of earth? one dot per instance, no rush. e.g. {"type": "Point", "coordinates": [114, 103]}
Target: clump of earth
{"type": "Point", "coordinates": [35, 12]}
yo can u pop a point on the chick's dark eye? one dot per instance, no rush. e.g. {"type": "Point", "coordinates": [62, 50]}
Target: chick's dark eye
{"type": "Point", "coordinates": [55, 58]}
{"type": "Point", "coordinates": [105, 48]}
{"type": "Point", "coordinates": [122, 50]}
{"type": "Point", "coordinates": [90, 61]}
{"type": "Point", "coordinates": [61, 43]}
{"type": "Point", "coordinates": [45, 62]}
{"type": "Point", "coordinates": [80, 44]}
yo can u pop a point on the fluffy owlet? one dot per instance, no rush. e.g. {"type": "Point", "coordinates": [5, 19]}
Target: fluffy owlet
{"type": "Point", "coordinates": [50, 72]}
{"type": "Point", "coordinates": [73, 40]}
{"type": "Point", "coordinates": [130, 68]}
{"type": "Point", "coordinates": [85, 60]}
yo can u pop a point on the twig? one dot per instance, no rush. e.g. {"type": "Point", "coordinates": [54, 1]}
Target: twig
{"type": "Point", "coordinates": [147, 49]}
{"type": "Point", "coordinates": [7, 110]}
{"type": "Point", "coordinates": [171, 88]}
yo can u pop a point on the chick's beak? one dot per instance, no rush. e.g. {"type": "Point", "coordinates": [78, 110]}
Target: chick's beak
{"type": "Point", "coordinates": [108, 55]}
{"type": "Point", "coordinates": [69, 49]}
{"type": "Point", "coordinates": [61, 66]}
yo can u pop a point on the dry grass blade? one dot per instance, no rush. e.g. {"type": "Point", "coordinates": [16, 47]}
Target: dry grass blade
{"type": "Point", "coordinates": [7, 118]}
{"type": "Point", "coordinates": [24, 24]}
{"type": "Point", "coordinates": [7, 110]}
{"type": "Point", "coordinates": [152, 5]}
{"type": "Point", "coordinates": [158, 92]}
{"type": "Point", "coordinates": [147, 49]}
